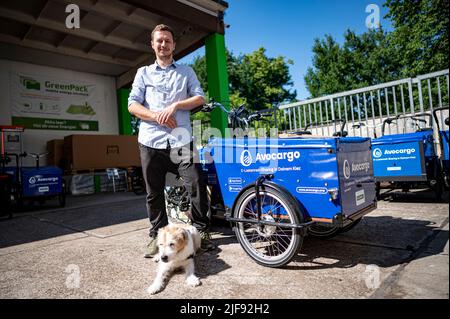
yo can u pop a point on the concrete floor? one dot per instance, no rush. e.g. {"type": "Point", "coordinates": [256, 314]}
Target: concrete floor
{"type": "Point", "coordinates": [93, 248]}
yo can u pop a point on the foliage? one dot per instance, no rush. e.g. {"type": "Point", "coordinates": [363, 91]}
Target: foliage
{"type": "Point", "coordinates": [254, 79]}
{"type": "Point", "coordinates": [420, 34]}
{"type": "Point", "coordinates": [361, 61]}
{"type": "Point", "coordinates": [417, 45]}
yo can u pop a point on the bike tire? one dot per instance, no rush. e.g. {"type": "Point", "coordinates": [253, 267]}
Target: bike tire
{"type": "Point", "coordinates": [270, 246]}
{"type": "Point", "coordinates": [323, 232]}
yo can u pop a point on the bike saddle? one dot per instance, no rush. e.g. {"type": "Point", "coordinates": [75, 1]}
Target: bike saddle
{"type": "Point", "coordinates": [424, 129]}
{"type": "Point", "coordinates": [339, 134]}
{"type": "Point", "coordinates": [302, 132]}
{"type": "Point", "coordinates": [389, 121]}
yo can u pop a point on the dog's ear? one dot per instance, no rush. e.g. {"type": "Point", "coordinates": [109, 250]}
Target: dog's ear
{"type": "Point", "coordinates": [182, 233]}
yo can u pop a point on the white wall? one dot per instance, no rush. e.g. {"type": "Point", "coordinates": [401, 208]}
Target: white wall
{"type": "Point", "coordinates": [35, 140]}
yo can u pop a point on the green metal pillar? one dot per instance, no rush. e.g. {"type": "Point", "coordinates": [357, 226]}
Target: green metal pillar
{"type": "Point", "coordinates": [124, 115]}
{"type": "Point", "coordinates": [216, 67]}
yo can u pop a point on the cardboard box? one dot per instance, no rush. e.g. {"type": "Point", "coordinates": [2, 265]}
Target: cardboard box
{"type": "Point", "coordinates": [55, 149]}
{"type": "Point", "coordinates": [87, 152]}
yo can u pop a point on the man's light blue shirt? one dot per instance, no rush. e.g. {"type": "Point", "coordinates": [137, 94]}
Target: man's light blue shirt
{"type": "Point", "coordinates": [156, 88]}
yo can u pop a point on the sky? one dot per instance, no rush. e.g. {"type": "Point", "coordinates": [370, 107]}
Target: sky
{"type": "Point", "coordinates": [288, 28]}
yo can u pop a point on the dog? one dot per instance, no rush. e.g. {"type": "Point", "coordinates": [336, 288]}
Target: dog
{"type": "Point", "coordinates": [177, 246]}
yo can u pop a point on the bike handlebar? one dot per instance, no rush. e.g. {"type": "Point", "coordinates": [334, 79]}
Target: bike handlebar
{"type": "Point", "coordinates": [414, 117]}
{"type": "Point", "coordinates": [446, 120]}
{"type": "Point", "coordinates": [239, 117]}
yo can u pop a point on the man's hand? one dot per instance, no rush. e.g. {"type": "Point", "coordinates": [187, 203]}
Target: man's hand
{"type": "Point", "coordinates": [145, 114]}
{"type": "Point", "coordinates": [163, 117]}
{"type": "Point", "coordinates": [171, 123]}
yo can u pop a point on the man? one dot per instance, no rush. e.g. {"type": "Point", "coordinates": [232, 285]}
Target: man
{"type": "Point", "coordinates": [162, 96]}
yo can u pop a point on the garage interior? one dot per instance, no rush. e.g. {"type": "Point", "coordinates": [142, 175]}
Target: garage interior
{"type": "Point", "coordinates": [112, 41]}
{"type": "Point", "coordinates": [113, 38]}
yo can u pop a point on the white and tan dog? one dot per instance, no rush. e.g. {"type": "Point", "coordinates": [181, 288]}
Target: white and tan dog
{"type": "Point", "coordinates": [177, 245]}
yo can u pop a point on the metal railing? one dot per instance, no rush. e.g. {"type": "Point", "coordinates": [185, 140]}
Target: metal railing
{"type": "Point", "coordinates": [365, 109]}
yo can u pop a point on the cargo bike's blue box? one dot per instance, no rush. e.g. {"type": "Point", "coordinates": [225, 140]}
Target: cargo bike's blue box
{"type": "Point", "coordinates": [278, 190]}
{"type": "Point", "coordinates": [409, 160]}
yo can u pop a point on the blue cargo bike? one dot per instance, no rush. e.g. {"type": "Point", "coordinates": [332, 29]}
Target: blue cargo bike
{"type": "Point", "coordinates": [275, 191]}
{"type": "Point", "coordinates": [19, 183]}
{"type": "Point", "coordinates": [405, 157]}
{"type": "Point", "coordinates": [442, 120]}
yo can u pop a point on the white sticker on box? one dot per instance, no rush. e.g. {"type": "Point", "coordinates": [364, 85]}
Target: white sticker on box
{"type": "Point", "coordinates": [43, 189]}
{"type": "Point", "coordinates": [360, 197]}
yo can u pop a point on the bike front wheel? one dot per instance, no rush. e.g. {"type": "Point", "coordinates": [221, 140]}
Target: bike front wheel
{"type": "Point", "coordinates": [268, 245]}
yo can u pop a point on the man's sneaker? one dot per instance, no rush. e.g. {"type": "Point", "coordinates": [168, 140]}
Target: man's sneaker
{"type": "Point", "coordinates": [152, 248]}
{"type": "Point", "coordinates": [206, 243]}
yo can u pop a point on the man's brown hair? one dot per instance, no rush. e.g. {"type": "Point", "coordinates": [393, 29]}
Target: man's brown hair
{"type": "Point", "coordinates": [163, 27]}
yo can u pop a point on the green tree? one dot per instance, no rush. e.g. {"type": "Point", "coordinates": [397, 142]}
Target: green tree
{"type": "Point", "coordinates": [420, 34]}
{"type": "Point", "coordinates": [263, 81]}
{"type": "Point", "coordinates": [255, 79]}
{"type": "Point", "coordinates": [199, 66]}
{"type": "Point", "coordinates": [362, 60]}
{"type": "Point", "coordinates": [417, 45]}
{"type": "Point", "coordinates": [328, 72]}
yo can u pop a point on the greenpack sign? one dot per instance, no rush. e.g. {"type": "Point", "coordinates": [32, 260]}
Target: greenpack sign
{"type": "Point", "coordinates": [47, 103]}
{"type": "Point", "coordinates": [65, 88]}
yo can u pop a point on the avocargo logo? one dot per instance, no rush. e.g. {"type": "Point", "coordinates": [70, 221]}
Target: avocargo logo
{"type": "Point", "coordinates": [407, 151]}
{"type": "Point", "coordinates": [41, 179]}
{"type": "Point", "coordinates": [348, 169]}
{"type": "Point", "coordinates": [377, 153]}
{"type": "Point", "coordinates": [247, 159]}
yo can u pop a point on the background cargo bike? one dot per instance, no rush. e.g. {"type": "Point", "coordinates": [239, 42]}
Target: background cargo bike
{"type": "Point", "coordinates": [406, 155]}
{"type": "Point", "coordinates": [19, 183]}
{"type": "Point", "coordinates": [275, 190]}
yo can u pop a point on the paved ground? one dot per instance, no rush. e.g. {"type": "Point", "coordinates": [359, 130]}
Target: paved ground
{"type": "Point", "coordinates": [93, 249]}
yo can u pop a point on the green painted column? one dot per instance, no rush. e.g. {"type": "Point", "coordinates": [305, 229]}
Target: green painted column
{"type": "Point", "coordinates": [124, 115]}
{"type": "Point", "coordinates": [216, 68]}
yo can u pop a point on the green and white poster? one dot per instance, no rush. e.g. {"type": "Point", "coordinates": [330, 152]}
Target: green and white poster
{"type": "Point", "coordinates": [46, 103]}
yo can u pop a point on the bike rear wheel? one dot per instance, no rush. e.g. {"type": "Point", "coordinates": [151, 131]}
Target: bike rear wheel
{"type": "Point", "coordinates": [324, 232]}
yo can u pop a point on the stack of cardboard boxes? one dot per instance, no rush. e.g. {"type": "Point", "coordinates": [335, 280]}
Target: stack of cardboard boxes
{"type": "Point", "coordinates": [85, 159]}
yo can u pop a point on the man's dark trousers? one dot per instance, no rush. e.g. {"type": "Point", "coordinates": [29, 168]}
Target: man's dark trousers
{"type": "Point", "coordinates": [182, 161]}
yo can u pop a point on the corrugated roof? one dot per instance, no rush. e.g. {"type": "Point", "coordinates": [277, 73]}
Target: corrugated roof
{"type": "Point", "coordinates": [113, 38]}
